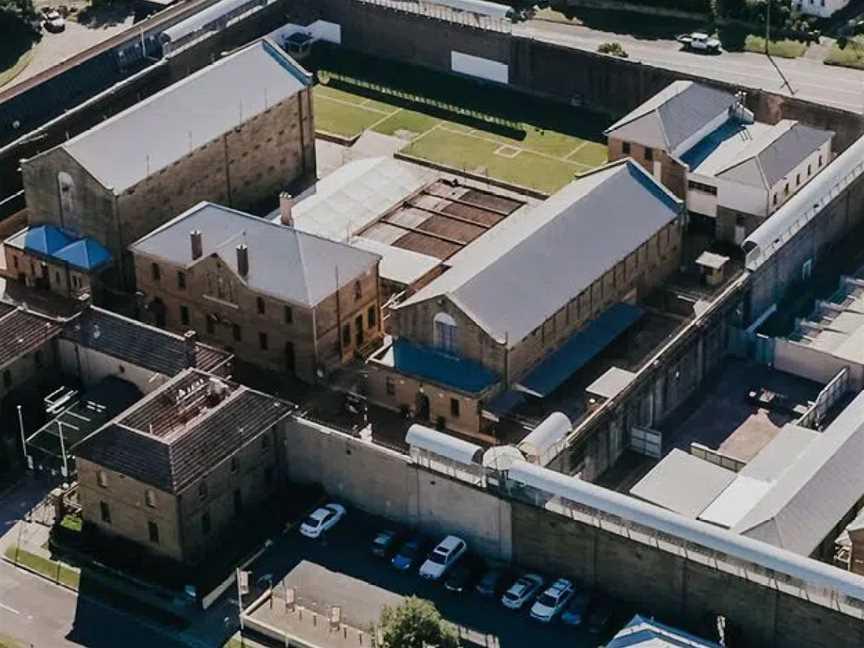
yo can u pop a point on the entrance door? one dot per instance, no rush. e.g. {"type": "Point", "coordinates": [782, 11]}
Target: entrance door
{"type": "Point", "coordinates": [289, 357]}
{"type": "Point", "coordinates": [358, 331]}
{"type": "Point", "coordinates": [422, 407]}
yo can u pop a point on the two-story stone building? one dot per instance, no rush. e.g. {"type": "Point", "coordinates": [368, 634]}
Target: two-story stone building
{"type": "Point", "coordinates": [177, 470]}
{"type": "Point", "coordinates": [521, 305]}
{"type": "Point", "coordinates": [238, 131]}
{"type": "Point", "coordinates": [277, 297]}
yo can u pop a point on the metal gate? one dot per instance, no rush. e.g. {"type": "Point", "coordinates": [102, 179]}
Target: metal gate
{"type": "Point", "coordinates": [646, 441]}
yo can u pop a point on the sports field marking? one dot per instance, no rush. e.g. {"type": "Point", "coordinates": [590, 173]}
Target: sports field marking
{"type": "Point", "coordinates": [575, 151]}
{"type": "Point", "coordinates": [356, 105]}
{"type": "Point", "coordinates": [383, 119]}
{"type": "Point", "coordinates": [507, 151]}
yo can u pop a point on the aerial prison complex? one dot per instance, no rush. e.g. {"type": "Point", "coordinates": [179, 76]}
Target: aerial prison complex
{"type": "Point", "coordinates": [649, 380]}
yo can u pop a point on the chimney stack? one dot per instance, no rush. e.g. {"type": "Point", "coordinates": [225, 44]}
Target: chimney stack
{"type": "Point", "coordinates": [243, 260]}
{"type": "Point", "coordinates": [286, 206]}
{"type": "Point", "coordinates": [195, 240]}
{"type": "Point", "coordinates": [190, 340]}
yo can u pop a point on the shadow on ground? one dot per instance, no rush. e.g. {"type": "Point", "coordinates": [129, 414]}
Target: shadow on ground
{"type": "Point", "coordinates": [105, 14]}
{"type": "Point", "coordinates": [16, 39]}
{"type": "Point", "coordinates": [638, 25]}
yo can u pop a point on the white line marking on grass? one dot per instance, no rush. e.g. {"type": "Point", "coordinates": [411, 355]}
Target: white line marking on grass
{"type": "Point", "coordinates": [576, 150]}
{"type": "Point", "coordinates": [9, 609]}
{"type": "Point", "coordinates": [383, 119]}
{"type": "Point", "coordinates": [507, 151]}
{"type": "Point", "coordinates": [356, 105]}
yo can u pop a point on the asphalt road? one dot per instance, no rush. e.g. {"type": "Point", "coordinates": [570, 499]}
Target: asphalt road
{"type": "Point", "coordinates": [808, 79]}
{"type": "Point", "coordinates": [339, 570]}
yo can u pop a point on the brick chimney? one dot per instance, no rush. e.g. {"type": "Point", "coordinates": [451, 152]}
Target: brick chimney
{"type": "Point", "coordinates": [286, 207]}
{"type": "Point", "coordinates": [243, 260]}
{"type": "Point", "coordinates": [190, 339]}
{"type": "Point", "coordinates": [196, 243]}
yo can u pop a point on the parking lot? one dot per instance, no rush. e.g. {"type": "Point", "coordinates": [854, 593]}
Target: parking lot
{"type": "Point", "coordinates": [340, 570]}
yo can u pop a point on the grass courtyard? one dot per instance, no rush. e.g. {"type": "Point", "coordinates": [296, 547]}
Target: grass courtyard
{"type": "Point", "coordinates": [542, 154]}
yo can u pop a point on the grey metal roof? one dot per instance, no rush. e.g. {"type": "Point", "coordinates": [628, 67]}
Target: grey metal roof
{"type": "Point", "coordinates": [672, 116]}
{"type": "Point", "coordinates": [23, 332]}
{"type": "Point", "coordinates": [533, 263]}
{"type": "Point", "coordinates": [153, 134]}
{"type": "Point", "coordinates": [549, 432]}
{"type": "Point", "coordinates": [769, 158]}
{"type": "Point", "coordinates": [780, 453]}
{"type": "Point", "coordinates": [683, 483]}
{"type": "Point", "coordinates": [140, 344]}
{"type": "Point", "coordinates": [816, 491]}
{"type": "Point", "coordinates": [284, 263]}
{"type": "Point", "coordinates": [444, 445]}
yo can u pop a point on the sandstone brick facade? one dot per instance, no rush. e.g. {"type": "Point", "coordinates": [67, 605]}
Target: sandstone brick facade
{"type": "Point", "coordinates": [672, 173]}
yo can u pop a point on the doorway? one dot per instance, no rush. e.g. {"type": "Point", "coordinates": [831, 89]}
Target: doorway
{"type": "Point", "coordinates": [358, 331]}
{"type": "Point", "coordinates": [422, 406]}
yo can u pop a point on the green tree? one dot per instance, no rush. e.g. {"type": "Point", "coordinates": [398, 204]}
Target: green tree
{"type": "Point", "coordinates": [416, 623]}
{"type": "Point", "coordinates": [20, 8]}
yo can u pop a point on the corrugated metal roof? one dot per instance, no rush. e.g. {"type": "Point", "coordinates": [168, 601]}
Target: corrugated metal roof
{"type": "Point", "coordinates": [549, 432]}
{"type": "Point", "coordinates": [22, 332]}
{"type": "Point", "coordinates": [563, 245]}
{"type": "Point", "coordinates": [153, 134]}
{"type": "Point", "coordinates": [284, 263]}
{"type": "Point", "coordinates": [733, 503]}
{"type": "Point", "coordinates": [442, 368]}
{"type": "Point", "coordinates": [816, 491]}
{"type": "Point", "coordinates": [444, 445]}
{"type": "Point", "coordinates": [648, 633]}
{"type": "Point", "coordinates": [683, 483]}
{"type": "Point", "coordinates": [672, 116]}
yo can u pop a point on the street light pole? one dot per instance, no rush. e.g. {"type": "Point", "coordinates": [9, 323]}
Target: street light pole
{"type": "Point", "coordinates": [63, 448]}
{"type": "Point", "coordinates": [767, 26]}
{"type": "Point", "coordinates": [23, 439]}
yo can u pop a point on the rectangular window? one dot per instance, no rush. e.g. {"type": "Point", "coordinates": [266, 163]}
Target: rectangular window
{"type": "Point", "coordinates": [289, 315]}
{"type": "Point", "coordinates": [262, 306]}
{"type": "Point", "coordinates": [238, 334]}
{"type": "Point", "coordinates": [7, 378]}
{"type": "Point", "coordinates": [798, 180]}
{"type": "Point", "coordinates": [820, 161]}
{"type": "Point", "coordinates": [265, 441]}
{"type": "Point", "coordinates": [205, 523]}
{"type": "Point", "coordinates": [625, 148]}
{"type": "Point", "coordinates": [390, 386]}
{"type": "Point", "coordinates": [150, 498]}
{"type": "Point", "coordinates": [102, 479]}
{"type": "Point", "coordinates": [649, 154]}
{"type": "Point", "coordinates": [181, 280]}
{"type": "Point", "coordinates": [358, 290]}
{"type": "Point", "coordinates": [262, 341]}
{"type": "Point", "coordinates": [184, 315]}
{"type": "Point", "coordinates": [701, 186]}
{"type": "Point", "coordinates": [346, 335]}
{"type": "Point", "coordinates": [371, 317]}
{"type": "Point", "coordinates": [155, 272]}
{"type": "Point", "coordinates": [454, 407]}
{"type": "Point", "coordinates": [105, 512]}
{"type": "Point", "coordinates": [153, 532]}
{"type": "Point", "coordinates": [235, 463]}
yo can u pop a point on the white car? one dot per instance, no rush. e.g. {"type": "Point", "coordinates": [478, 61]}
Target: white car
{"type": "Point", "coordinates": [552, 601]}
{"type": "Point", "coordinates": [522, 591]}
{"type": "Point", "coordinates": [54, 22]}
{"type": "Point", "coordinates": [321, 520]}
{"type": "Point", "coordinates": [700, 41]}
{"type": "Point", "coordinates": [443, 557]}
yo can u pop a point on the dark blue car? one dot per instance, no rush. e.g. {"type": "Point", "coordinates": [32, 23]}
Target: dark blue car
{"type": "Point", "coordinates": [408, 554]}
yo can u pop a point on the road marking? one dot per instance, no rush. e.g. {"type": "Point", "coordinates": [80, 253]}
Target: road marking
{"type": "Point", "coordinates": [9, 609]}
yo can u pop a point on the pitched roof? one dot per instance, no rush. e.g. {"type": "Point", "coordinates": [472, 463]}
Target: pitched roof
{"type": "Point", "coordinates": [642, 632]}
{"type": "Point", "coordinates": [46, 239]}
{"type": "Point", "coordinates": [188, 444]}
{"type": "Point", "coordinates": [55, 243]}
{"type": "Point", "coordinates": [816, 491]}
{"type": "Point", "coordinates": [152, 134]}
{"type": "Point", "coordinates": [563, 245]}
{"type": "Point", "coordinates": [140, 344]}
{"type": "Point", "coordinates": [769, 158]}
{"type": "Point", "coordinates": [673, 115]}
{"type": "Point", "coordinates": [284, 263]}
{"type": "Point", "coordinates": [23, 332]}
{"type": "Point", "coordinates": [85, 254]}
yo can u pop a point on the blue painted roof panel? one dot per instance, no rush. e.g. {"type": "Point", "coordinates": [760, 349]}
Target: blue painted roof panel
{"type": "Point", "coordinates": [84, 254]}
{"type": "Point", "coordinates": [442, 368]}
{"type": "Point", "coordinates": [46, 239]}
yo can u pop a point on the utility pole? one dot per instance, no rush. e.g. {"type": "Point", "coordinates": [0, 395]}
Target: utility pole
{"type": "Point", "coordinates": [23, 439]}
{"type": "Point", "coordinates": [63, 448]}
{"type": "Point", "coordinates": [767, 26]}
{"type": "Point", "coordinates": [239, 602]}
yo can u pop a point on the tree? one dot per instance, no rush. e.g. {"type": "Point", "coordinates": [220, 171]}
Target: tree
{"type": "Point", "coordinates": [19, 8]}
{"type": "Point", "coordinates": [416, 623]}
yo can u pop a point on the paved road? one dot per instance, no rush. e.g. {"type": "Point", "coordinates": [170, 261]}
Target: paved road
{"type": "Point", "coordinates": [808, 79]}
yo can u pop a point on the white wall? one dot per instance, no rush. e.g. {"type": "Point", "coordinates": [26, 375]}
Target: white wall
{"type": "Point", "coordinates": [813, 162]}
{"type": "Point", "coordinates": [700, 201]}
{"type": "Point", "coordinates": [742, 198]}
{"type": "Point", "coordinates": [94, 366]}
{"type": "Point", "coordinates": [479, 67]}
{"type": "Point", "coordinates": [821, 8]}
{"type": "Point", "coordinates": [813, 364]}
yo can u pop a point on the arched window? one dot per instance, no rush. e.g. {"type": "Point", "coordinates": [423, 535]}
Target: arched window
{"type": "Point", "coordinates": [68, 198]}
{"type": "Point", "coordinates": [445, 332]}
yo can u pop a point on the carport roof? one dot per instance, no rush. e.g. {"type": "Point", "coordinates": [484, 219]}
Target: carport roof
{"type": "Point", "coordinates": [442, 368]}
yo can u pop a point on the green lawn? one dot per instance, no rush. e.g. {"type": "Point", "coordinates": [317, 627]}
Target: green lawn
{"type": "Point", "coordinates": [526, 154]}
{"type": "Point", "coordinates": [56, 571]}
{"type": "Point", "coordinates": [851, 55]}
{"type": "Point", "coordinates": [783, 48]}
{"type": "Point", "coordinates": [8, 642]}
{"type": "Point", "coordinates": [15, 48]}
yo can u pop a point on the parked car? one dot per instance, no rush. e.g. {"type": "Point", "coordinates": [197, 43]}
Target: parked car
{"type": "Point", "coordinates": [443, 557]}
{"type": "Point", "coordinates": [700, 42]}
{"type": "Point", "coordinates": [577, 609]}
{"type": "Point", "coordinates": [522, 591]}
{"type": "Point", "coordinates": [552, 601]}
{"type": "Point", "coordinates": [464, 574]}
{"type": "Point", "coordinates": [409, 553]}
{"type": "Point", "coordinates": [492, 583]}
{"type": "Point", "coordinates": [599, 615]}
{"type": "Point", "coordinates": [54, 22]}
{"type": "Point", "coordinates": [385, 542]}
{"type": "Point", "coordinates": [322, 519]}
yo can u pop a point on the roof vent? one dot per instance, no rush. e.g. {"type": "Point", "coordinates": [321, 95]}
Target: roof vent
{"type": "Point", "coordinates": [286, 206]}
{"type": "Point", "coordinates": [243, 260]}
{"type": "Point", "coordinates": [196, 243]}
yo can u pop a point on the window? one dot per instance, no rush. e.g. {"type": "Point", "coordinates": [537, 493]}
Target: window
{"type": "Point", "coordinates": [807, 269]}
{"type": "Point", "coordinates": [205, 523]}
{"type": "Point", "coordinates": [235, 464]}
{"type": "Point", "coordinates": [820, 161]}
{"type": "Point", "coordinates": [454, 407]}
{"type": "Point", "coordinates": [390, 386]}
{"type": "Point", "coordinates": [265, 441]}
{"type": "Point", "coordinates": [649, 154]}
{"type": "Point", "coordinates": [358, 290]}
{"type": "Point", "coordinates": [238, 501]}
{"type": "Point", "coordinates": [184, 315]}
{"type": "Point", "coordinates": [150, 498]}
{"type": "Point", "coordinates": [238, 334]}
{"type": "Point", "coordinates": [371, 317]}
{"type": "Point", "coordinates": [262, 306]}
{"type": "Point", "coordinates": [102, 479]}
{"type": "Point", "coordinates": [153, 532]}
{"type": "Point", "coordinates": [262, 341]}
{"type": "Point", "coordinates": [202, 490]}
{"type": "Point", "coordinates": [625, 148]}
{"type": "Point", "coordinates": [181, 280]}
{"type": "Point", "coordinates": [57, 277]}
{"type": "Point", "coordinates": [701, 186]}
{"type": "Point", "coordinates": [15, 262]}
{"type": "Point", "coordinates": [775, 199]}
{"type": "Point", "coordinates": [105, 512]}
{"type": "Point", "coordinates": [210, 325]}
{"type": "Point", "coordinates": [786, 189]}
{"type": "Point", "coordinates": [7, 378]}
{"type": "Point", "coordinates": [346, 335]}
{"type": "Point", "coordinates": [155, 272]}
{"type": "Point", "coordinates": [445, 332]}
{"type": "Point", "coordinates": [809, 170]}
{"type": "Point", "coordinates": [289, 316]}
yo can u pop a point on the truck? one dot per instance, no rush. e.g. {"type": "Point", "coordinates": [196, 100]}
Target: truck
{"type": "Point", "coordinates": [700, 42]}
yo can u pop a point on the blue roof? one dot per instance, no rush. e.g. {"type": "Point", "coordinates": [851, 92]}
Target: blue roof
{"type": "Point", "coordinates": [708, 144]}
{"type": "Point", "coordinates": [504, 403]}
{"type": "Point", "coordinates": [84, 254]}
{"type": "Point", "coordinates": [46, 239]}
{"type": "Point", "coordinates": [643, 631]}
{"type": "Point", "coordinates": [442, 368]}
{"type": "Point", "coordinates": [580, 349]}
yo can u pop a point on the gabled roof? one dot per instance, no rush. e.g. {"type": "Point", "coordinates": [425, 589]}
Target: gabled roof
{"type": "Point", "coordinates": [816, 491]}
{"type": "Point", "coordinates": [23, 332]}
{"type": "Point", "coordinates": [284, 263]}
{"type": "Point", "coordinates": [774, 154]}
{"type": "Point", "coordinates": [642, 632]}
{"type": "Point", "coordinates": [52, 242]}
{"type": "Point", "coordinates": [533, 263]}
{"type": "Point", "coordinates": [153, 134]}
{"type": "Point", "coordinates": [84, 254]}
{"type": "Point", "coordinates": [46, 239]}
{"type": "Point", "coordinates": [672, 116]}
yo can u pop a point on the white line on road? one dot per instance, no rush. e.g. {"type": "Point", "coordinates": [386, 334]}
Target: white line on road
{"type": "Point", "coordinates": [9, 609]}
